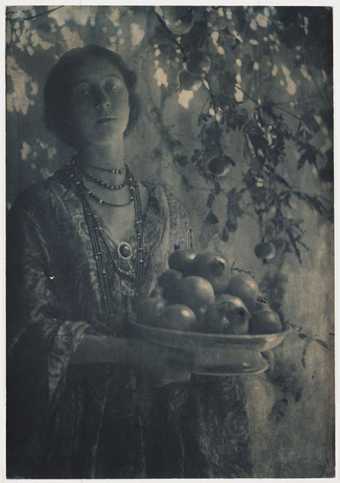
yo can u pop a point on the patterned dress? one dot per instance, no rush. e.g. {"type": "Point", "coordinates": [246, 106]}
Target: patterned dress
{"type": "Point", "coordinates": [101, 420]}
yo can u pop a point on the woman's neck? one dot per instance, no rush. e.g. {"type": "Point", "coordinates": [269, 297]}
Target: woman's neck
{"type": "Point", "coordinates": [105, 165]}
{"type": "Point", "coordinates": [108, 156]}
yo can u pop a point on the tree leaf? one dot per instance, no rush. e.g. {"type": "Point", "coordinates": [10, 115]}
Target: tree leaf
{"type": "Point", "coordinates": [322, 343]}
{"type": "Point", "coordinates": [211, 218]}
{"type": "Point", "coordinates": [210, 200]}
{"type": "Point", "coordinates": [225, 234]}
{"type": "Point", "coordinates": [282, 180]}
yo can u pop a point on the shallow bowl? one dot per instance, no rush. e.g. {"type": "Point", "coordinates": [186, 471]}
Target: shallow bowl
{"type": "Point", "coordinates": [216, 354]}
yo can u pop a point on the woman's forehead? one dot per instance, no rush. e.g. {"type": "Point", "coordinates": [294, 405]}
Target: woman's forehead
{"type": "Point", "coordinates": [94, 67]}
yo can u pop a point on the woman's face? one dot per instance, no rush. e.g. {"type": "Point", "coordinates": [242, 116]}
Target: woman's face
{"type": "Point", "coordinates": [99, 102]}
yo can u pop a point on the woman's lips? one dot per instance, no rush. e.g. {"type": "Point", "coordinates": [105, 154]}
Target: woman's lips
{"type": "Point", "coordinates": [105, 119]}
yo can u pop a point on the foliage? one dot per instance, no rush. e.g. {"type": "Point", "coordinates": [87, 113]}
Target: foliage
{"type": "Point", "coordinates": [249, 60]}
{"type": "Point", "coordinates": [267, 73]}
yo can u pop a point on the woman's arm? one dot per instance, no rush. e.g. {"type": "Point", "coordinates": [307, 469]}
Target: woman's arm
{"type": "Point", "coordinates": [41, 340]}
{"type": "Point", "coordinates": [163, 365]}
{"type": "Point", "coordinates": [102, 349]}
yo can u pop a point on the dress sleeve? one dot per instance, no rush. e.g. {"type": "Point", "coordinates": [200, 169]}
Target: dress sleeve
{"type": "Point", "coordinates": [40, 342]}
{"type": "Point", "coordinates": [181, 233]}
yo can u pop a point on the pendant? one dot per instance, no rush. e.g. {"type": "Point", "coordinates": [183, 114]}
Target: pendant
{"type": "Point", "coordinates": [124, 250]}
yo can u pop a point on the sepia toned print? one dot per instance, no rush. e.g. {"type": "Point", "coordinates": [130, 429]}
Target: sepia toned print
{"type": "Point", "coordinates": [170, 266]}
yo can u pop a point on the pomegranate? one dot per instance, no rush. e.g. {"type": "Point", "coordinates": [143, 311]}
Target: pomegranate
{"type": "Point", "coordinates": [265, 321]}
{"type": "Point", "coordinates": [245, 287]}
{"type": "Point", "coordinates": [196, 292]}
{"type": "Point", "coordinates": [214, 268]}
{"type": "Point", "coordinates": [177, 317]}
{"type": "Point", "coordinates": [149, 310]}
{"type": "Point", "coordinates": [265, 251]}
{"type": "Point", "coordinates": [233, 314]}
{"type": "Point", "coordinates": [182, 260]}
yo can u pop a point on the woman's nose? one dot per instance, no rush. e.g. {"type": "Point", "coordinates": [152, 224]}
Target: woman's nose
{"type": "Point", "coordinates": [102, 100]}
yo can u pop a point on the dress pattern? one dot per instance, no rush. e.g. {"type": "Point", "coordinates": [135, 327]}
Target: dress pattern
{"type": "Point", "coordinates": [101, 420]}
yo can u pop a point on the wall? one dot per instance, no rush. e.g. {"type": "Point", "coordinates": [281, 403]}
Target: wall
{"type": "Point", "coordinates": [292, 418]}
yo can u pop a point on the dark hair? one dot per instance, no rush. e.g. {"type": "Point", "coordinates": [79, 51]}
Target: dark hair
{"type": "Point", "coordinates": [56, 92]}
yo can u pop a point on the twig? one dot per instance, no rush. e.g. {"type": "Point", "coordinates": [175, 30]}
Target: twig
{"type": "Point", "coordinates": [247, 95]}
{"type": "Point", "coordinates": [32, 17]}
{"type": "Point", "coordinates": [163, 23]}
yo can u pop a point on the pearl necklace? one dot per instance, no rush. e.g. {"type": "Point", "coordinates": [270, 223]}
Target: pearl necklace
{"type": "Point", "coordinates": [100, 182]}
{"type": "Point", "coordinates": [96, 198]}
{"type": "Point", "coordinates": [107, 170]}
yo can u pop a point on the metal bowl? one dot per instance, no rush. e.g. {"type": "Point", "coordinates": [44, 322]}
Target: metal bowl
{"type": "Point", "coordinates": [216, 354]}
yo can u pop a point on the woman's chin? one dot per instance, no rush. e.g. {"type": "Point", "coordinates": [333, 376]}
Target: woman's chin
{"type": "Point", "coordinates": [104, 139]}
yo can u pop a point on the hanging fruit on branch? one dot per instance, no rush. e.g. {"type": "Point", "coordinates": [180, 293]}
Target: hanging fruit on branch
{"type": "Point", "coordinates": [220, 166]}
{"type": "Point", "coordinates": [265, 251]}
{"type": "Point", "coordinates": [213, 50]}
{"type": "Point", "coordinates": [179, 20]}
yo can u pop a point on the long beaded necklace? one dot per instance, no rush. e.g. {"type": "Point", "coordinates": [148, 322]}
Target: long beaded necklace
{"type": "Point", "coordinates": [100, 201]}
{"type": "Point", "coordinates": [124, 249]}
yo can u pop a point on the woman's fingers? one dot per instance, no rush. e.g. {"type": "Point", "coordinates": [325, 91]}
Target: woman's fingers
{"type": "Point", "coordinates": [166, 365]}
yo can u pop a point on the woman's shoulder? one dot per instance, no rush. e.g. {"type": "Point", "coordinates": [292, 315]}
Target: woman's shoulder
{"type": "Point", "coordinates": [161, 196]}
{"type": "Point", "coordinates": [40, 195]}
{"type": "Point", "coordinates": [160, 192]}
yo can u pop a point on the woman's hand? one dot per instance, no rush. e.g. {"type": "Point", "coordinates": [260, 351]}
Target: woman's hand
{"type": "Point", "coordinates": [161, 364]}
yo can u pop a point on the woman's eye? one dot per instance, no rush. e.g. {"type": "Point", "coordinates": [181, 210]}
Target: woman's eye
{"type": "Point", "coordinates": [112, 85]}
{"type": "Point", "coordinates": [82, 90]}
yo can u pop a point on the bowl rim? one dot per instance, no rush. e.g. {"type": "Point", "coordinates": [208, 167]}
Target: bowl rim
{"type": "Point", "coordinates": [212, 335]}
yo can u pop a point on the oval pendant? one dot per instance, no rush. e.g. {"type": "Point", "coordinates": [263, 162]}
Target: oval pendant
{"type": "Point", "coordinates": [124, 250]}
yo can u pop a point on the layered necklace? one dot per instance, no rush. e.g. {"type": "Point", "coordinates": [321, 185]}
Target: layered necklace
{"type": "Point", "coordinates": [124, 250]}
{"type": "Point", "coordinates": [107, 186]}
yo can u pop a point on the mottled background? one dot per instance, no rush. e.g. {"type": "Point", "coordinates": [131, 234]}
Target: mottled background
{"type": "Point", "coordinates": [291, 408]}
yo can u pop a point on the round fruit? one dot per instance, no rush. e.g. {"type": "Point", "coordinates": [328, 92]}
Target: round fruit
{"type": "Point", "coordinates": [265, 251]}
{"type": "Point", "coordinates": [168, 281]}
{"type": "Point", "coordinates": [178, 19]}
{"type": "Point", "coordinates": [209, 263]}
{"type": "Point", "coordinates": [265, 321]}
{"type": "Point", "coordinates": [215, 320]}
{"type": "Point", "coordinates": [220, 166]}
{"type": "Point", "coordinates": [177, 317]}
{"type": "Point", "coordinates": [169, 277]}
{"type": "Point", "coordinates": [214, 268]}
{"type": "Point", "coordinates": [196, 292]}
{"type": "Point", "coordinates": [261, 304]}
{"type": "Point", "coordinates": [182, 260]}
{"type": "Point", "coordinates": [233, 310]}
{"type": "Point", "coordinates": [149, 310]}
{"type": "Point", "coordinates": [245, 287]}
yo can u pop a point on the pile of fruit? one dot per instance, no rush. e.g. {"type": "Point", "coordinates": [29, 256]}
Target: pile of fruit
{"type": "Point", "coordinates": [200, 293]}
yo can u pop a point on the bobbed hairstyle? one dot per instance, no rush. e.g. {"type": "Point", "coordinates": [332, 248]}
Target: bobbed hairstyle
{"type": "Point", "coordinates": [57, 89]}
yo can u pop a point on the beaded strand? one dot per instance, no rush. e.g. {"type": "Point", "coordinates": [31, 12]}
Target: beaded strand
{"type": "Point", "coordinates": [95, 232]}
{"type": "Point", "coordinates": [102, 183]}
{"type": "Point", "coordinates": [98, 200]}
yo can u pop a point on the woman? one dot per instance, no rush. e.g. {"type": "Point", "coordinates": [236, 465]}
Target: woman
{"type": "Point", "coordinates": [84, 398]}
